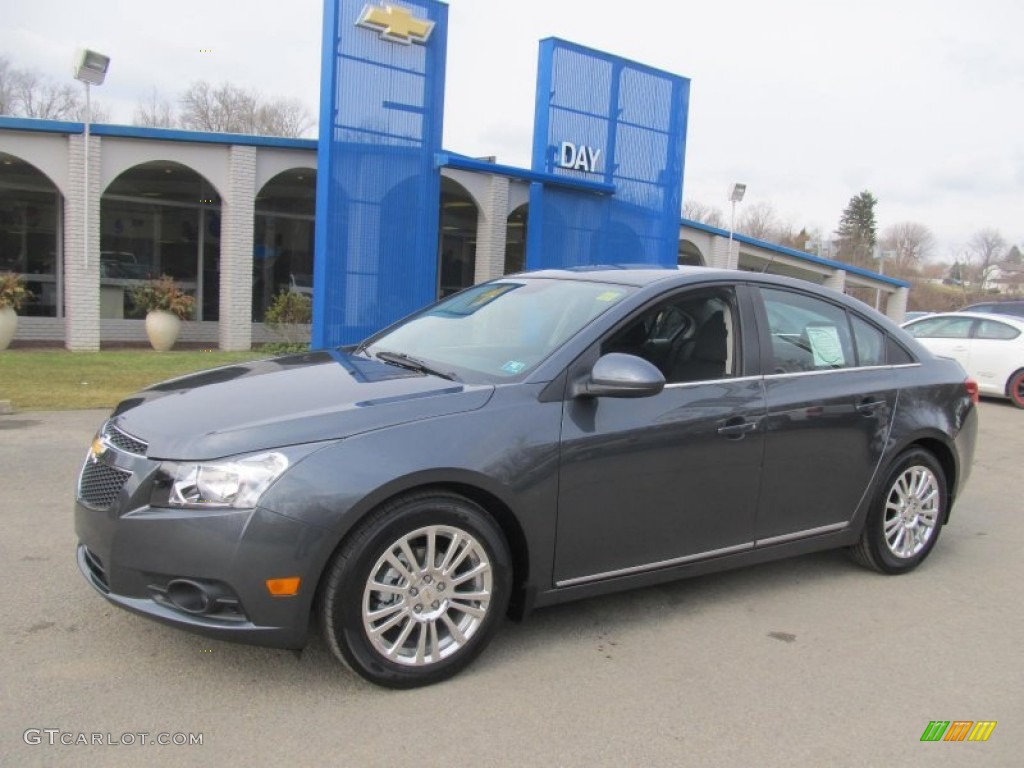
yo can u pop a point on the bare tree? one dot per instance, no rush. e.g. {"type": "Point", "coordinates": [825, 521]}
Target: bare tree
{"type": "Point", "coordinates": [985, 249]}
{"type": "Point", "coordinates": [229, 108]}
{"type": "Point", "coordinates": [910, 243]}
{"type": "Point", "coordinates": [8, 78]}
{"type": "Point", "coordinates": [155, 112]}
{"type": "Point", "coordinates": [28, 93]}
{"type": "Point", "coordinates": [694, 210]}
{"type": "Point", "coordinates": [39, 96]}
{"type": "Point", "coordinates": [285, 117]}
{"type": "Point", "coordinates": [758, 221]}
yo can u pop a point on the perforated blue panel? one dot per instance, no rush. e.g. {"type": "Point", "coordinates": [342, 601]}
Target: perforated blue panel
{"type": "Point", "coordinates": [378, 191]}
{"type": "Point", "coordinates": [633, 119]}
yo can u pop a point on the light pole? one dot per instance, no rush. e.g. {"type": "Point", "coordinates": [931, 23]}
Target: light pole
{"type": "Point", "coordinates": [736, 196]}
{"type": "Point", "coordinates": [90, 68]}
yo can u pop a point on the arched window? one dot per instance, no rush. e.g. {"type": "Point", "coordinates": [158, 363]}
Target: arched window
{"type": "Point", "coordinates": [283, 238]}
{"type": "Point", "coordinates": [30, 234]}
{"type": "Point", "coordinates": [690, 254]}
{"type": "Point", "coordinates": [515, 240]}
{"type": "Point", "coordinates": [159, 218]}
{"type": "Point", "coordinates": [457, 248]}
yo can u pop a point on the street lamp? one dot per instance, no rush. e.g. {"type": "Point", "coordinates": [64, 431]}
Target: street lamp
{"type": "Point", "coordinates": [736, 196]}
{"type": "Point", "coordinates": [89, 67]}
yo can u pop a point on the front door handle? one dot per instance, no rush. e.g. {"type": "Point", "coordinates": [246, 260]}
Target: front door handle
{"type": "Point", "coordinates": [735, 429]}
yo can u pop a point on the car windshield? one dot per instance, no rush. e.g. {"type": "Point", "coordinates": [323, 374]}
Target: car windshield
{"type": "Point", "coordinates": [500, 329]}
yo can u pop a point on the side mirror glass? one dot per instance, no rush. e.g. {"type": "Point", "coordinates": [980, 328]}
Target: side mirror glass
{"type": "Point", "coordinates": [620, 375]}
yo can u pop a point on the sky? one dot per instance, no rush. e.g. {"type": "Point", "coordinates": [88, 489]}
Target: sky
{"type": "Point", "coordinates": [808, 102]}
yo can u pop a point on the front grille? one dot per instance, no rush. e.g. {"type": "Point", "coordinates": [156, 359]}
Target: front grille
{"type": "Point", "coordinates": [100, 484]}
{"type": "Point", "coordinates": [123, 441]}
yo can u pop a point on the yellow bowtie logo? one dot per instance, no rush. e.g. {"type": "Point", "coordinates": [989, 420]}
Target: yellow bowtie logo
{"type": "Point", "coordinates": [395, 24]}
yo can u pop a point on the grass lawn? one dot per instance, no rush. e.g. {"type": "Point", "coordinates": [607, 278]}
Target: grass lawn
{"type": "Point", "coordinates": [50, 379]}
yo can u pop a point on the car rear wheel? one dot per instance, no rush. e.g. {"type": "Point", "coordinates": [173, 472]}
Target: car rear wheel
{"type": "Point", "coordinates": [415, 593]}
{"type": "Point", "coordinates": [906, 516]}
{"type": "Point", "coordinates": [1015, 388]}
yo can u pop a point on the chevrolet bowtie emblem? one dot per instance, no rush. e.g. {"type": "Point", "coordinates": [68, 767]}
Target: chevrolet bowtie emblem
{"type": "Point", "coordinates": [395, 24]}
{"type": "Point", "coordinates": [98, 448]}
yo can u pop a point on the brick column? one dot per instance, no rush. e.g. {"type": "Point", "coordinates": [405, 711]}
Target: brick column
{"type": "Point", "coordinates": [237, 223]}
{"type": "Point", "coordinates": [720, 256]}
{"type": "Point", "coordinates": [81, 282]}
{"type": "Point", "coordinates": [836, 281]}
{"type": "Point", "coordinates": [491, 231]}
{"type": "Point", "coordinates": [896, 305]}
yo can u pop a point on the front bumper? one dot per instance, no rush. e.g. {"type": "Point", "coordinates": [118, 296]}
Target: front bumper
{"type": "Point", "coordinates": [204, 571]}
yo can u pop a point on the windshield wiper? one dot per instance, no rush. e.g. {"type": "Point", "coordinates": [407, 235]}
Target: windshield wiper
{"type": "Point", "coordinates": [412, 364]}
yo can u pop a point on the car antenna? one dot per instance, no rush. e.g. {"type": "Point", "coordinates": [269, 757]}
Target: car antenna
{"type": "Point", "coordinates": [770, 262]}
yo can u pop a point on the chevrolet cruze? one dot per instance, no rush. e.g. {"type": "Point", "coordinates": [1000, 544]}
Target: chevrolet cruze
{"type": "Point", "coordinates": [536, 439]}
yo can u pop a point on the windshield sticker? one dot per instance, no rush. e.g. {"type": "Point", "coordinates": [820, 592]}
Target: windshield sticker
{"type": "Point", "coordinates": [513, 366]}
{"type": "Point", "coordinates": [609, 296]}
{"type": "Point", "coordinates": [825, 345]}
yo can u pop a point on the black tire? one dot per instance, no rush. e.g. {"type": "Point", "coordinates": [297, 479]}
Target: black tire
{"type": "Point", "coordinates": [1015, 388]}
{"type": "Point", "coordinates": [431, 637]}
{"type": "Point", "coordinates": [915, 476]}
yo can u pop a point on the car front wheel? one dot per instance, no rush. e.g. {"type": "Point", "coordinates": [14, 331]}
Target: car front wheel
{"type": "Point", "coordinates": [906, 516]}
{"type": "Point", "coordinates": [415, 592]}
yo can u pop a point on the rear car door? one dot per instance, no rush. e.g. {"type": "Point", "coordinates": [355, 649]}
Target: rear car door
{"type": "Point", "coordinates": [656, 481]}
{"type": "Point", "coordinates": [830, 400]}
{"type": "Point", "coordinates": [995, 353]}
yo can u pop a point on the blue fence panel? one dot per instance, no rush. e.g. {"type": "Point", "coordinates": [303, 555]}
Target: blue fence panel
{"type": "Point", "coordinates": [606, 118]}
{"type": "Point", "coordinates": [378, 191]}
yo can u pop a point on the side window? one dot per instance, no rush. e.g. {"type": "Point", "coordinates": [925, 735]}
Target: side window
{"type": "Point", "coordinates": [807, 333]}
{"type": "Point", "coordinates": [870, 342]}
{"type": "Point", "coordinates": [941, 328]}
{"type": "Point", "coordinates": [993, 329]}
{"type": "Point", "coordinates": [690, 337]}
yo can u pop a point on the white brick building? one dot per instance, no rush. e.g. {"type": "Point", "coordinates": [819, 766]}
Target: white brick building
{"type": "Point", "coordinates": [231, 218]}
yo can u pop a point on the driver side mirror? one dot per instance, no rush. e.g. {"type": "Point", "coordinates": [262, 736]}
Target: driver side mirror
{"type": "Point", "coordinates": [620, 375]}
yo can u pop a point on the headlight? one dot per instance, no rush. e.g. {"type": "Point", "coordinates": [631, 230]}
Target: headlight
{"type": "Point", "coordinates": [237, 483]}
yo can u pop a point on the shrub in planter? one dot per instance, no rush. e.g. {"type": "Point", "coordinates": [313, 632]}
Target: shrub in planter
{"type": "Point", "coordinates": [289, 316]}
{"type": "Point", "coordinates": [165, 305]}
{"type": "Point", "coordinates": [13, 294]}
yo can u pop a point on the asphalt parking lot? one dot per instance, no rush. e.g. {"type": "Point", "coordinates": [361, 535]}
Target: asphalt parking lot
{"type": "Point", "coordinates": [811, 661]}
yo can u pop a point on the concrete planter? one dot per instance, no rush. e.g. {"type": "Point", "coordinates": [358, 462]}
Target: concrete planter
{"type": "Point", "coordinates": [162, 328]}
{"type": "Point", "coordinates": [8, 323]}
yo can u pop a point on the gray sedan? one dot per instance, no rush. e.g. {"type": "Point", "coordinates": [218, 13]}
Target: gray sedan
{"type": "Point", "coordinates": [536, 439]}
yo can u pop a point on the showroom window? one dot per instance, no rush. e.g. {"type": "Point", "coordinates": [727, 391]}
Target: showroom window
{"type": "Point", "coordinates": [159, 218]}
{"type": "Point", "coordinates": [282, 253]}
{"type": "Point", "coordinates": [515, 240]}
{"type": "Point", "coordinates": [457, 256]}
{"type": "Point", "coordinates": [30, 234]}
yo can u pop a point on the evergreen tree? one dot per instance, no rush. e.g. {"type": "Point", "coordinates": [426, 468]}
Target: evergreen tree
{"type": "Point", "coordinates": [858, 230]}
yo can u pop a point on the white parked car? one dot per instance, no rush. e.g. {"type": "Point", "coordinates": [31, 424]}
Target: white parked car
{"type": "Point", "coordinates": [990, 348]}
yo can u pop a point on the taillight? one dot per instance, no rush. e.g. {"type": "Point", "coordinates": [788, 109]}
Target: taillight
{"type": "Point", "coordinates": [972, 390]}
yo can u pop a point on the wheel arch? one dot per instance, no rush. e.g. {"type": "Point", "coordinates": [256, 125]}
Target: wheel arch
{"type": "Point", "coordinates": [947, 460]}
{"type": "Point", "coordinates": [498, 509]}
{"type": "Point", "coordinates": [1009, 382]}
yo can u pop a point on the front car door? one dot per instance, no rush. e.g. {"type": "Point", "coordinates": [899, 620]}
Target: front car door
{"type": "Point", "coordinates": [652, 482]}
{"type": "Point", "coordinates": [830, 400]}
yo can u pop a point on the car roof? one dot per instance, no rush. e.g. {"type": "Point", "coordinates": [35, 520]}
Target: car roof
{"type": "Point", "coordinates": [624, 274]}
{"type": "Point", "coordinates": [1015, 320]}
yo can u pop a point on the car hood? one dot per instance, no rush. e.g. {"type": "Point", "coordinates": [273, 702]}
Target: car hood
{"type": "Point", "coordinates": [285, 401]}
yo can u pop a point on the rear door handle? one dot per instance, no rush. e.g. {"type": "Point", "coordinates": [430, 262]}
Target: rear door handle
{"type": "Point", "coordinates": [736, 428]}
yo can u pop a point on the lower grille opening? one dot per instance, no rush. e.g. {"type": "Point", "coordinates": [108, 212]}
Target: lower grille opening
{"type": "Point", "coordinates": [199, 597]}
{"type": "Point", "coordinates": [95, 566]}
